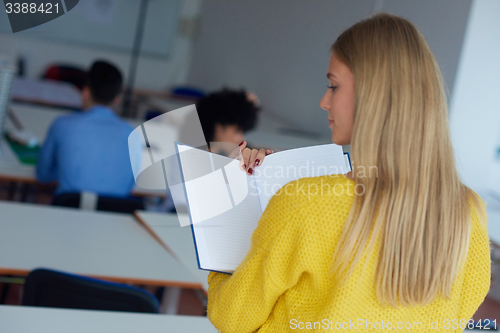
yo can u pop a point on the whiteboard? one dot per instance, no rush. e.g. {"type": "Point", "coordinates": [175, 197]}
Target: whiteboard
{"type": "Point", "coordinates": [109, 24]}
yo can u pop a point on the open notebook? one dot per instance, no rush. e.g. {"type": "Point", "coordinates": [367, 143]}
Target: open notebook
{"type": "Point", "coordinates": [225, 204]}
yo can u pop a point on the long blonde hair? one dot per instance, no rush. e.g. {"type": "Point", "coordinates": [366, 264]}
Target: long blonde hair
{"type": "Point", "coordinates": [417, 203]}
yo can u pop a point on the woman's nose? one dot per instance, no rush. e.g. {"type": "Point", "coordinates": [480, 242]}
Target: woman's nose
{"type": "Point", "coordinates": [324, 102]}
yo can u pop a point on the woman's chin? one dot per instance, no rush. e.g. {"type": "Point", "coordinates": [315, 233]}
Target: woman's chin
{"type": "Point", "coordinates": [336, 140]}
{"type": "Point", "coordinates": [339, 141]}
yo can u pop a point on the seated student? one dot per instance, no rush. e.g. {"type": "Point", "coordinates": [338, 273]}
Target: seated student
{"type": "Point", "coordinates": [88, 151]}
{"type": "Point", "coordinates": [224, 117]}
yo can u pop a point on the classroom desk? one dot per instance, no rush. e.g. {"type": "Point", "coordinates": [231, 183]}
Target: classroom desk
{"type": "Point", "coordinates": [37, 119]}
{"type": "Point", "coordinates": [177, 240]}
{"type": "Point", "coordinates": [27, 319]}
{"type": "Point", "coordinates": [104, 245]}
{"type": "Point", "coordinates": [46, 92]}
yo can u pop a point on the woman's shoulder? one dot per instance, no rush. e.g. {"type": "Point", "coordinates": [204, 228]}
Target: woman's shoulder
{"type": "Point", "coordinates": [322, 200]}
{"type": "Point", "coordinates": [477, 268]}
{"type": "Point", "coordinates": [477, 211]}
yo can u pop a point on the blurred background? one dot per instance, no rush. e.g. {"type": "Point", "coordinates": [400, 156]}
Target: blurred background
{"type": "Point", "coordinates": [277, 49]}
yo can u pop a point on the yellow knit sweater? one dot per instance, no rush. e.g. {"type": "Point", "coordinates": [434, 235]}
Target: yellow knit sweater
{"type": "Point", "coordinates": [283, 285]}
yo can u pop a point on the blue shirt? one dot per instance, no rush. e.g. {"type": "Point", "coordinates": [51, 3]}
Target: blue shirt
{"type": "Point", "coordinates": [88, 151]}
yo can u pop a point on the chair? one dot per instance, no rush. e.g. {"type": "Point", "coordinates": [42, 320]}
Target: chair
{"type": "Point", "coordinates": [50, 288]}
{"type": "Point", "coordinates": [187, 92]}
{"type": "Point", "coordinates": [104, 203]}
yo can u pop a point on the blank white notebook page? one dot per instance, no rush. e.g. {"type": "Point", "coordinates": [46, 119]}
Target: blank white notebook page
{"type": "Point", "coordinates": [206, 189]}
{"type": "Point", "coordinates": [223, 206]}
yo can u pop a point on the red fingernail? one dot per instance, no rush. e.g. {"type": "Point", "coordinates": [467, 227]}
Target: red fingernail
{"type": "Point", "coordinates": [257, 162]}
{"type": "Point", "coordinates": [241, 143]}
{"type": "Point", "coordinates": [244, 166]}
{"type": "Point", "coordinates": [250, 171]}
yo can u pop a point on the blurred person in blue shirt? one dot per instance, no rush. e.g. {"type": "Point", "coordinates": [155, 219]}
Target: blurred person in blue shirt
{"type": "Point", "coordinates": [88, 151]}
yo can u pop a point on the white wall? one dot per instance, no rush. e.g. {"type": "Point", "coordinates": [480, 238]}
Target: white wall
{"type": "Point", "coordinates": [280, 48]}
{"type": "Point", "coordinates": [152, 73]}
{"type": "Point", "coordinates": [475, 107]}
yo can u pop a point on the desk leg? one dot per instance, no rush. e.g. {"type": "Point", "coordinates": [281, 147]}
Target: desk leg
{"type": "Point", "coordinates": [26, 193]}
{"type": "Point", "coordinates": [5, 291]}
{"type": "Point", "coordinates": [12, 190]}
{"type": "Point", "coordinates": [18, 191]}
{"type": "Point", "coordinates": [170, 300]}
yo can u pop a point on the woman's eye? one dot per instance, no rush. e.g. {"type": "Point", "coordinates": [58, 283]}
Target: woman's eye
{"type": "Point", "coordinates": [331, 87]}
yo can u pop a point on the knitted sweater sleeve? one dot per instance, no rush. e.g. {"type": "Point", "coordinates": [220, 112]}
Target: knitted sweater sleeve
{"type": "Point", "coordinates": [242, 302]}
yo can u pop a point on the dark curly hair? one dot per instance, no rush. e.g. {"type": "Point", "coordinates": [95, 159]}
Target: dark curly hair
{"type": "Point", "coordinates": [226, 107]}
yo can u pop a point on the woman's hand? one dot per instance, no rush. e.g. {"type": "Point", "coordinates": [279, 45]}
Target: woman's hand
{"type": "Point", "coordinates": [249, 158]}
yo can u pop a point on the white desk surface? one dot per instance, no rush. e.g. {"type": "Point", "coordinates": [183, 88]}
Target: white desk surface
{"type": "Point", "coordinates": [104, 245]}
{"type": "Point", "coordinates": [46, 92]}
{"type": "Point", "coordinates": [27, 319]}
{"type": "Point", "coordinates": [176, 239]}
{"type": "Point", "coordinates": [37, 119]}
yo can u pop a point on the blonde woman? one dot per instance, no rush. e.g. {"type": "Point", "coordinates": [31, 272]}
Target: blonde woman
{"type": "Point", "coordinates": [402, 247]}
